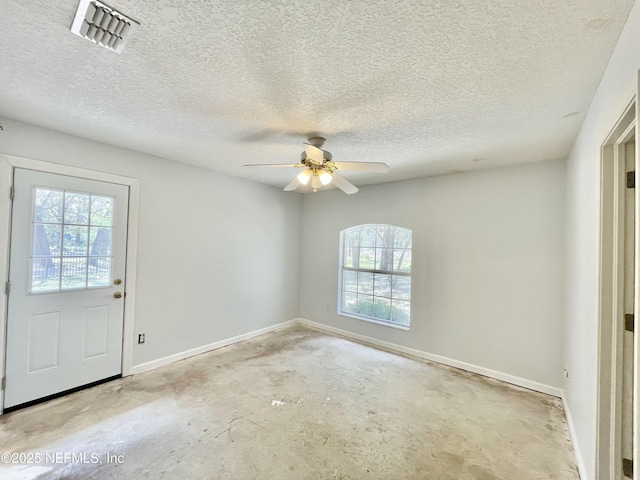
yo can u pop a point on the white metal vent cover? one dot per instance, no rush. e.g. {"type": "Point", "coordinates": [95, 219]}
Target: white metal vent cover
{"type": "Point", "coordinates": [103, 25]}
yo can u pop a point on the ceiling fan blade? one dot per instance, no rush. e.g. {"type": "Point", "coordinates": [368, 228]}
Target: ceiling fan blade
{"type": "Point", "coordinates": [275, 165]}
{"type": "Point", "coordinates": [343, 184]}
{"type": "Point", "coordinates": [295, 183]}
{"type": "Point", "coordinates": [314, 153]}
{"type": "Point", "coordinates": [377, 167]}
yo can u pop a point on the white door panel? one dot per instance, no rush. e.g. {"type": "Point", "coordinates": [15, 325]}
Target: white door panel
{"type": "Point", "coordinates": [68, 245]}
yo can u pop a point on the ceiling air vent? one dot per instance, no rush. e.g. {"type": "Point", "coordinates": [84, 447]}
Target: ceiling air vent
{"type": "Point", "coordinates": [103, 25]}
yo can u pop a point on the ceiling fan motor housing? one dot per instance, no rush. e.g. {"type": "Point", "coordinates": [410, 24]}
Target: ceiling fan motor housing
{"type": "Point", "coordinates": [327, 157]}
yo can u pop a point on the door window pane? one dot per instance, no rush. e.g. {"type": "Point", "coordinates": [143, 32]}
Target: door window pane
{"type": "Point", "coordinates": [45, 275]}
{"type": "Point", "coordinates": [102, 211]}
{"type": "Point", "coordinates": [100, 241]}
{"type": "Point", "coordinates": [48, 205]}
{"type": "Point", "coordinates": [74, 272]}
{"type": "Point", "coordinates": [47, 240]}
{"type": "Point", "coordinates": [74, 241]}
{"type": "Point", "coordinates": [76, 208]}
{"type": "Point", "coordinates": [99, 272]}
{"type": "Point", "coordinates": [67, 252]}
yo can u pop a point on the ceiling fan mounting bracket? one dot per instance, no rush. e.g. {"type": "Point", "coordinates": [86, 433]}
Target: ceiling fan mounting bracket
{"type": "Point", "coordinates": [317, 141]}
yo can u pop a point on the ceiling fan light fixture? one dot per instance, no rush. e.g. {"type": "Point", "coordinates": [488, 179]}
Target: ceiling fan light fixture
{"type": "Point", "coordinates": [325, 177]}
{"type": "Point", "coordinates": [303, 177]}
{"type": "Point", "coordinates": [320, 168]}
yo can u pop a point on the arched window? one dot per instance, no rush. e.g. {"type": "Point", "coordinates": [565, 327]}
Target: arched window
{"type": "Point", "coordinates": [375, 274]}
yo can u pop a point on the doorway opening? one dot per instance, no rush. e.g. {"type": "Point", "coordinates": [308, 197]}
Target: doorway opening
{"type": "Point", "coordinates": [617, 432]}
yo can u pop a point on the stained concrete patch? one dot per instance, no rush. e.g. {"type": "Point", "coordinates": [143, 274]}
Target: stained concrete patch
{"type": "Point", "coordinates": [296, 404]}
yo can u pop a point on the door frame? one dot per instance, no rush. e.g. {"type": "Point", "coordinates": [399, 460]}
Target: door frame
{"type": "Point", "coordinates": [7, 165]}
{"type": "Point", "coordinates": [611, 295]}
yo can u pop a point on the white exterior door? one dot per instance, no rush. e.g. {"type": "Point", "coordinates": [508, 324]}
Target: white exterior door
{"type": "Point", "coordinates": [67, 284]}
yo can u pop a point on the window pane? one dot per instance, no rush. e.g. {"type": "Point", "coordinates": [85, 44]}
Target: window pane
{"type": "Point", "coordinates": [46, 240]}
{"type": "Point", "coordinates": [45, 275]}
{"type": "Point", "coordinates": [351, 237]}
{"type": "Point", "coordinates": [75, 241]}
{"type": "Point", "coordinates": [74, 273]}
{"type": "Point", "coordinates": [48, 206]}
{"type": "Point", "coordinates": [367, 258]}
{"type": "Point", "coordinates": [350, 281]}
{"type": "Point", "coordinates": [368, 236]}
{"type": "Point", "coordinates": [382, 309]}
{"type": "Point", "coordinates": [102, 211]}
{"type": "Point", "coordinates": [402, 238]}
{"type": "Point", "coordinates": [365, 282]}
{"type": "Point", "coordinates": [100, 239]}
{"type": "Point", "coordinates": [382, 285]}
{"type": "Point", "coordinates": [99, 272]}
{"type": "Point", "coordinates": [350, 303]}
{"type": "Point", "coordinates": [384, 259]}
{"type": "Point", "coordinates": [402, 288]}
{"type": "Point", "coordinates": [402, 260]}
{"type": "Point", "coordinates": [76, 208]}
{"type": "Point", "coordinates": [351, 254]}
{"type": "Point", "coordinates": [400, 312]}
{"type": "Point", "coordinates": [365, 305]}
{"type": "Point", "coordinates": [385, 236]}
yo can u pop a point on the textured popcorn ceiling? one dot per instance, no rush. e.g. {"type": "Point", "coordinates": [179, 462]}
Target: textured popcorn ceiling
{"type": "Point", "coordinates": [428, 87]}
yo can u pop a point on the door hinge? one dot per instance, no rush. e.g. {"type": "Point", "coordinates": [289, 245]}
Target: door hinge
{"type": "Point", "coordinates": [631, 179]}
{"type": "Point", "coordinates": [12, 192]}
{"type": "Point", "coordinates": [627, 467]}
{"type": "Point", "coordinates": [7, 288]}
{"type": "Point", "coordinates": [4, 383]}
{"type": "Point", "coordinates": [629, 322]}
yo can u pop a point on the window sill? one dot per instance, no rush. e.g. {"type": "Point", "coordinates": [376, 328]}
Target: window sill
{"type": "Point", "coordinates": [377, 322]}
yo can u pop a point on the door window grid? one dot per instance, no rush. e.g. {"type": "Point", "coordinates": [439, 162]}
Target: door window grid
{"type": "Point", "coordinates": [72, 240]}
{"type": "Point", "coordinates": [376, 273]}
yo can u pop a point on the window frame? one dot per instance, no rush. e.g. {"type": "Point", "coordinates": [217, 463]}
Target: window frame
{"type": "Point", "coordinates": [392, 274]}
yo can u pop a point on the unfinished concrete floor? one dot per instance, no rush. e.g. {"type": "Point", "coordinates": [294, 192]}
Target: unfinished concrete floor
{"type": "Point", "coordinates": [295, 404]}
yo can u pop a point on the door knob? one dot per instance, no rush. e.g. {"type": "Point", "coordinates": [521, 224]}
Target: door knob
{"type": "Point", "coordinates": [117, 295]}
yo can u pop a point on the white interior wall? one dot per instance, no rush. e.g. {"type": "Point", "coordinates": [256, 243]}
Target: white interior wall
{"type": "Point", "coordinates": [616, 89]}
{"type": "Point", "coordinates": [487, 265]}
{"type": "Point", "coordinates": [218, 256]}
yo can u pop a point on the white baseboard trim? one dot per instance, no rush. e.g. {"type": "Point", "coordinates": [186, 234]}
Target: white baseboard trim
{"type": "Point", "coordinates": [160, 362]}
{"type": "Point", "coordinates": [505, 377]}
{"type": "Point", "coordinates": [582, 472]}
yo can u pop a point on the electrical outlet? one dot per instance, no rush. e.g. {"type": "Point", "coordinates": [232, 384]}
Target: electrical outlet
{"type": "Point", "coordinates": [141, 338]}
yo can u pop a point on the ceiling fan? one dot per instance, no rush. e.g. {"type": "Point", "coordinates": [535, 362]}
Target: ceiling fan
{"type": "Point", "coordinates": [320, 169]}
